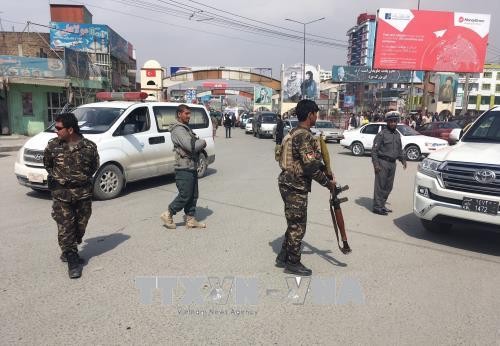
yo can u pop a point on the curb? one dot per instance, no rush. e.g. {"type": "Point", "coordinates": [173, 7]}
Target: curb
{"type": "Point", "coordinates": [10, 148]}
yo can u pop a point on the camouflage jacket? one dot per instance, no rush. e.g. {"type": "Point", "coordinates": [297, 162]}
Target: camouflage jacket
{"type": "Point", "coordinates": [307, 154]}
{"type": "Point", "coordinates": [71, 169]}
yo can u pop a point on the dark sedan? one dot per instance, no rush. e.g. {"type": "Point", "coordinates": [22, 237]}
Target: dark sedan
{"type": "Point", "coordinates": [438, 129]}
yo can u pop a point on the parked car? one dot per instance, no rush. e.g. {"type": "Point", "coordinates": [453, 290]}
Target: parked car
{"type": "Point", "coordinates": [415, 145]}
{"type": "Point", "coordinates": [462, 182]}
{"type": "Point", "coordinates": [132, 139]}
{"type": "Point", "coordinates": [264, 123]}
{"type": "Point", "coordinates": [244, 118]}
{"type": "Point", "coordinates": [249, 125]}
{"type": "Point", "coordinates": [329, 131]}
{"type": "Point", "coordinates": [438, 129]}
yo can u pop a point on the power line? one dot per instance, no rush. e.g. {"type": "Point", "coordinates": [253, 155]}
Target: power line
{"type": "Point", "coordinates": [187, 12]}
{"type": "Point", "coordinates": [258, 21]}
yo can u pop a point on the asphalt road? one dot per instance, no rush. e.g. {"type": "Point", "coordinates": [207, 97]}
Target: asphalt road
{"type": "Point", "coordinates": [401, 285]}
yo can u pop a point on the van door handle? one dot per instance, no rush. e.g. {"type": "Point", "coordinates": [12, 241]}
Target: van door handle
{"type": "Point", "coordinates": [157, 140]}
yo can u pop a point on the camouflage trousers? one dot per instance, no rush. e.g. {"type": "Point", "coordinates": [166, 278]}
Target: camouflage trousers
{"type": "Point", "coordinates": [71, 219]}
{"type": "Point", "coordinates": [296, 219]}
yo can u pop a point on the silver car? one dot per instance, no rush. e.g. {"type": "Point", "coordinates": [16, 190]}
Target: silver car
{"type": "Point", "coordinates": [329, 131]}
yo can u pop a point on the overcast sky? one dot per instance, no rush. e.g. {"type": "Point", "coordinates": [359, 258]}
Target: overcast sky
{"type": "Point", "coordinates": [175, 41]}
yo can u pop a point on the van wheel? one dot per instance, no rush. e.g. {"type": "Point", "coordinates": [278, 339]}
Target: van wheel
{"type": "Point", "coordinates": [202, 166]}
{"type": "Point", "coordinates": [412, 153]}
{"type": "Point", "coordinates": [357, 149]}
{"type": "Point", "coordinates": [436, 227]}
{"type": "Point", "coordinates": [108, 182]}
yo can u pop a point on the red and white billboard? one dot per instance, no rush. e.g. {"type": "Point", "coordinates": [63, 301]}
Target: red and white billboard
{"type": "Point", "coordinates": [431, 40]}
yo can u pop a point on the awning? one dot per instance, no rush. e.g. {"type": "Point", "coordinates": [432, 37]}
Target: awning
{"type": "Point", "coordinates": [56, 82]}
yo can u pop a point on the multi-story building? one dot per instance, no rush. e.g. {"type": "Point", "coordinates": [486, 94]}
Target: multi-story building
{"type": "Point", "coordinates": [484, 90]}
{"type": "Point", "coordinates": [362, 41]}
{"type": "Point", "coordinates": [41, 72]}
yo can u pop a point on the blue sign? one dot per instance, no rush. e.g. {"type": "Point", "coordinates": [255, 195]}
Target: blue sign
{"type": "Point", "coordinates": [348, 101]}
{"type": "Point", "coordinates": [92, 38]}
{"type": "Point", "coordinates": [20, 66]}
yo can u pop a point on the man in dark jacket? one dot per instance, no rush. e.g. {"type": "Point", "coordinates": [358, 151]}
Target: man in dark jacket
{"type": "Point", "coordinates": [387, 148]}
{"type": "Point", "coordinates": [228, 123]}
{"type": "Point", "coordinates": [187, 147]}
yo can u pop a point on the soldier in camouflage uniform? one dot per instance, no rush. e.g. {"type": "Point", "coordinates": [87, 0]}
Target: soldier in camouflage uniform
{"type": "Point", "coordinates": [71, 160]}
{"type": "Point", "coordinates": [295, 183]}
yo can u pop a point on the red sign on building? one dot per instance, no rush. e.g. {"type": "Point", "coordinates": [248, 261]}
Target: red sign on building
{"type": "Point", "coordinates": [431, 40]}
{"type": "Point", "coordinates": [150, 73]}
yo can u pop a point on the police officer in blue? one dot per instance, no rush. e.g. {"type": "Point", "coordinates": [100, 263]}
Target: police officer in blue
{"type": "Point", "coordinates": [387, 148]}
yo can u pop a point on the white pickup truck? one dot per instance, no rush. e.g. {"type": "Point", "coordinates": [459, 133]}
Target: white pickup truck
{"type": "Point", "coordinates": [132, 139]}
{"type": "Point", "coordinates": [462, 182]}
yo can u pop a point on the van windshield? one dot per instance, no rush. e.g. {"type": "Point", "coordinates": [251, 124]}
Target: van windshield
{"type": "Point", "coordinates": [269, 119]}
{"type": "Point", "coordinates": [94, 119]}
{"type": "Point", "coordinates": [486, 129]}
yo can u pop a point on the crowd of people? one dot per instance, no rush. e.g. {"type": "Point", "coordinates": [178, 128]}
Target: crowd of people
{"type": "Point", "coordinates": [355, 120]}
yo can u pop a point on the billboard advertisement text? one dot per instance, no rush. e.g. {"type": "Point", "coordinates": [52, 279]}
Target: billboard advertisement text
{"type": "Point", "coordinates": [431, 40]}
{"type": "Point", "coordinates": [20, 66]}
{"type": "Point", "coordinates": [364, 74]}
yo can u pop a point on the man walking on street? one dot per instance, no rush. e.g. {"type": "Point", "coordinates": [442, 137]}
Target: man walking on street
{"type": "Point", "coordinates": [70, 160]}
{"type": "Point", "coordinates": [387, 148]}
{"type": "Point", "coordinates": [303, 164]}
{"type": "Point", "coordinates": [187, 147]}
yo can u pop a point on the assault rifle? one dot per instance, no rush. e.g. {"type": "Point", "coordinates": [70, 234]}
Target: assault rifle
{"type": "Point", "coordinates": [335, 209]}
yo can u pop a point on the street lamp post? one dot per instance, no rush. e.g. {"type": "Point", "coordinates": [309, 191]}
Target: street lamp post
{"type": "Point", "coordinates": [304, 24]}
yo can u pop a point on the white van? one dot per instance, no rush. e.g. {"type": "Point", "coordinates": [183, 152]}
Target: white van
{"type": "Point", "coordinates": [132, 139]}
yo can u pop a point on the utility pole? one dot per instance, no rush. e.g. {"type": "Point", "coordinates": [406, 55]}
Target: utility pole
{"type": "Point", "coordinates": [304, 60]}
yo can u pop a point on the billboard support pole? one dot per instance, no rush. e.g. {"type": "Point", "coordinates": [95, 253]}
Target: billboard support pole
{"type": "Point", "coordinates": [465, 97]}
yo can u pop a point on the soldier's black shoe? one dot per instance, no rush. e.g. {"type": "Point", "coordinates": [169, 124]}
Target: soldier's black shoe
{"type": "Point", "coordinates": [379, 212]}
{"type": "Point", "coordinates": [64, 259]}
{"type": "Point", "coordinates": [281, 260]}
{"type": "Point", "coordinates": [74, 267]}
{"type": "Point", "coordinates": [297, 269]}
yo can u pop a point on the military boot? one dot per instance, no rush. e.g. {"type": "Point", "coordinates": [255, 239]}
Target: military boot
{"type": "Point", "coordinates": [64, 259]}
{"type": "Point", "coordinates": [294, 266]}
{"type": "Point", "coordinates": [192, 223]}
{"type": "Point", "coordinates": [74, 267]}
{"type": "Point", "coordinates": [281, 259]}
{"type": "Point", "coordinates": [168, 220]}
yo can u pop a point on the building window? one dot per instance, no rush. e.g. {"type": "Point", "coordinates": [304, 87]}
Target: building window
{"type": "Point", "coordinates": [485, 100]}
{"type": "Point", "coordinates": [498, 75]}
{"type": "Point", "coordinates": [487, 75]}
{"type": "Point", "coordinates": [472, 99]}
{"type": "Point", "coordinates": [55, 103]}
{"type": "Point", "coordinates": [497, 88]}
{"type": "Point", "coordinates": [486, 87]}
{"type": "Point", "coordinates": [497, 100]}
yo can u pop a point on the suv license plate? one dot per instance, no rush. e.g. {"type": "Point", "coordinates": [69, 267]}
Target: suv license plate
{"type": "Point", "coordinates": [480, 205]}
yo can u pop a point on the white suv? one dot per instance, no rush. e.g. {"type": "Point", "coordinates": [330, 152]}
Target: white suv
{"type": "Point", "coordinates": [462, 182]}
{"type": "Point", "coordinates": [132, 139]}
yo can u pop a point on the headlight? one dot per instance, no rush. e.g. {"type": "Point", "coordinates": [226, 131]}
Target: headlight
{"type": "Point", "coordinates": [431, 168]}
